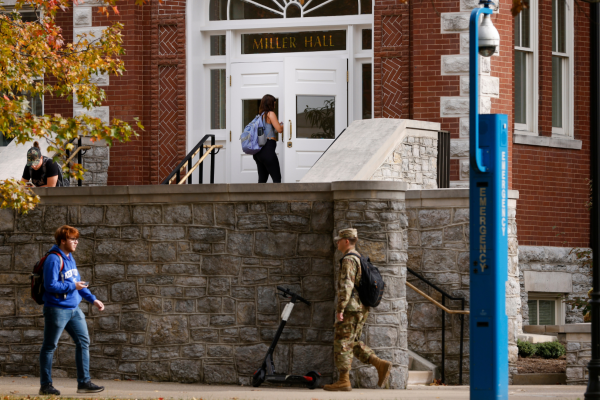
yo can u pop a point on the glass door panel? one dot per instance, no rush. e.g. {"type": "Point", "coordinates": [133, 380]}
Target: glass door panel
{"type": "Point", "coordinates": [315, 117]}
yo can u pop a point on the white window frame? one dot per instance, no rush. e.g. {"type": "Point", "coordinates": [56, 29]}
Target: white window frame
{"type": "Point", "coordinates": [559, 307]}
{"type": "Point", "coordinates": [532, 60]}
{"type": "Point", "coordinates": [568, 78]}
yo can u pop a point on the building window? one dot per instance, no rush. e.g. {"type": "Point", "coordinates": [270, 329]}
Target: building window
{"type": "Point", "coordinates": [217, 45]}
{"type": "Point", "coordinates": [367, 90]}
{"type": "Point", "coordinates": [562, 48]}
{"type": "Point", "coordinates": [36, 107]}
{"type": "Point", "coordinates": [545, 310]}
{"type": "Point", "coordinates": [218, 85]}
{"type": "Point", "coordinates": [526, 60]}
{"type": "Point", "coordinates": [367, 39]}
{"type": "Point", "coordinates": [259, 9]}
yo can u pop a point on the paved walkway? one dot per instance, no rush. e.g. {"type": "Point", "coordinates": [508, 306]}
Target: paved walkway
{"type": "Point", "coordinates": [144, 390]}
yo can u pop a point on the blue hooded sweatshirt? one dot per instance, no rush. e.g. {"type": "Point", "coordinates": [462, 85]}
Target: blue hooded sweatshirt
{"type": "Point", "coordinates": [54, 284]}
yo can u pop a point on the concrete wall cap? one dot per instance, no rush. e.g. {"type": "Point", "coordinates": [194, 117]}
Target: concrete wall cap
{"type": "Point", "coordinates": [279, 187]}
{"type": "Point", "coordinates": [437, 194]}
{"type": "Point", "coordinates": [369, 185]}
{"type": "Point", "coordinates": [569, 328]}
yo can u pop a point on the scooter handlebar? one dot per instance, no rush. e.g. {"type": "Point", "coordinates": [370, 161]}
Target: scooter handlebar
{"type": "Point", "coordinates": [289, 293]}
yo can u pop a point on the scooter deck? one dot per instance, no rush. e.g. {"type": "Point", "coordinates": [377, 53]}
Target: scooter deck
{"type": "Point", "coordinates": [282, 378]}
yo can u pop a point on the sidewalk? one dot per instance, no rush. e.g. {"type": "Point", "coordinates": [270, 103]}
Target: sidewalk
{"type": "Point", "coordinates": [21, 387]}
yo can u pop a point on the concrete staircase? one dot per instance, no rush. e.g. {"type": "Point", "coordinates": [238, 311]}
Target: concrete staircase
{"type": "Point", "coordinates": [421, 371]}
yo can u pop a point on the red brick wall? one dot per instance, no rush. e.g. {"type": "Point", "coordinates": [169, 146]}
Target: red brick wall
{"type": "Point", "coordinates": [407, 84]}
{"type": "Point", "coordinates": [391, 59]}
{"type": "Point", "coordinates": [552, 182]}
{"type": "Point", "coordinates": [126, 95]}
{"type": "Point", "coordinates": [154, 41]}
{"type": "Point", "coordinates": [55, 105]}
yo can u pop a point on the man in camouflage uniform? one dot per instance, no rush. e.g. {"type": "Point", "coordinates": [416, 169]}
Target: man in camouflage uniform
{"type": "Point", "coordinates": [350, 315]}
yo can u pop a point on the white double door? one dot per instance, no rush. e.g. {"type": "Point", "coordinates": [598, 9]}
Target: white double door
{"type": "Point", "coordinates": [312, 104]}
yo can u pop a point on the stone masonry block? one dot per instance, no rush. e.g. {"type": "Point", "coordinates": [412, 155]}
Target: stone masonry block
{"type": "Point", "coordinates": [464, 43]}
{"type": "Point", "coordinates": [102, 113]}
{"type": "Point", "coordinates": [459, 65]}
{"type": "Point", "coordinates": [464, 128]}
{"type": "Point", "coordinates": [459, 148]}
{"type": "Point", "coordinates": [82, 16]}
{"type": "Point", "coordinates": [455, 22]}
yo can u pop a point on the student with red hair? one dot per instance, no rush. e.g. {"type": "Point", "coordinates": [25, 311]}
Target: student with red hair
{"type": "Point", "coordinates": [64, 290]}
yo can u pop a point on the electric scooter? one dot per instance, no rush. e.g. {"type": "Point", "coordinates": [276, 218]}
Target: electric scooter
{"type": "Point", "coordinates": [267, 372]}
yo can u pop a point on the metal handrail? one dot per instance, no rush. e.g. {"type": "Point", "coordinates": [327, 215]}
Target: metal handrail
{"type": "Point", "coordinates": [432, 300]}
{"type": "Point", "coordinates": [445, 310]}
{"type": "Point", "coordinates": [210, 148]}
{"type": "Point", "coordinates": [81, 150]}
{"type": "Point", "coordinates": [187, 162]}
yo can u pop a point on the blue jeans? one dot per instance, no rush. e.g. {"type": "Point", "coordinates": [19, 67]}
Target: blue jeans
{"type": "Point", "coordinates": [73, 321]}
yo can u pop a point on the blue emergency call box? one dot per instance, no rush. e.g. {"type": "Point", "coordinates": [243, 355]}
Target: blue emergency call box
{"type": "Point", "coordinates": [488, 323]}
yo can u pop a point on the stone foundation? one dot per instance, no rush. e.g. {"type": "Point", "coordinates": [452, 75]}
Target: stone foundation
{"type": "Point", "coordinates": [555, 259]}
{"type": "Point", "coordinates": [413, 161]}
{"type": "Point", "coordinates": [188, 276]}
{"type": "Point", "coordinates": [438, 239]}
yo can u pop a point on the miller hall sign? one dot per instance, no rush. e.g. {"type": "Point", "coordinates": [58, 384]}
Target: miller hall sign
{"type": "Point", "coordinates": [293, 42]}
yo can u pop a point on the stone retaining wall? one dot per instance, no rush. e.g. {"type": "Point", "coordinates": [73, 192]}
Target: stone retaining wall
{"type": "Point", "coordinates": [555, 259]}
{"type": "Point", "coordinates": [381, 229]}
{"type": "Point", "coordinates": [413, 161]}
{"type": "Point", "coordinates": [438, 239]}
{"type": "Point", "coordinates": [188, 276]}
{"type": "Point", "coordinates": [96, 162]}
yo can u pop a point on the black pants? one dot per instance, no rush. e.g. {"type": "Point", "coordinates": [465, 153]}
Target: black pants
{"type": "Point", "coordinates": [268, 163]}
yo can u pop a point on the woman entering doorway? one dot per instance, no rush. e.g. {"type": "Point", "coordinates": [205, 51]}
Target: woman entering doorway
{"type": "Point", "coordinates": [266, 159]}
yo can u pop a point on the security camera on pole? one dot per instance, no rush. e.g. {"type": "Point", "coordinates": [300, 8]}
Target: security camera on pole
{"type": "Point", "coordinates": [488, 147]}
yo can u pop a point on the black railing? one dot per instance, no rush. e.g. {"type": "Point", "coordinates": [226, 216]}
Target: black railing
{"type": "Point", "coordinates": [80, 155]}
{"type": "Point", "coordinates": [462, 324]}
{"type": "Point", "coordinates": [443, 160]}
{"type": "Point", "coordinates": [187, 161]}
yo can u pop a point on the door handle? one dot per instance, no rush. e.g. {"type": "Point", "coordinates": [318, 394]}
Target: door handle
{"type": "Point", "coordinates": [290, 129]}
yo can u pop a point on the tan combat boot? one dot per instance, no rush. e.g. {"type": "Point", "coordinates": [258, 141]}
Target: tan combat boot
{"type": "Point", "coordinates": [342, 385]}
{"type": "Point", "coordinates": [383, 368]}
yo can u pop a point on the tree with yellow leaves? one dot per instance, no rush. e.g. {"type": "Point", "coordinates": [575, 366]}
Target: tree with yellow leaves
{"type": "Point", "coordinates": [31, 50]}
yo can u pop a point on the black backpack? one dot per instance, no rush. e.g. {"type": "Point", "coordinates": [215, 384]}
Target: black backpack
{"type": "Point", "coordinates": [372, 285]}
{"type": "Point", "coordinates": [61, 182]}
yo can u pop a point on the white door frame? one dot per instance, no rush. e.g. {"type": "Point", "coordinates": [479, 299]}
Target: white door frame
{"type": "Point", "coordinates": [251, 81]}
{"type": "Point", "coordinates": [311, 77]}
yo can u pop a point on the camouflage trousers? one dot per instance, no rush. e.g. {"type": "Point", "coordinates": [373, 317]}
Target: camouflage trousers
{"type": "Point", "coordinates": [346, 341]}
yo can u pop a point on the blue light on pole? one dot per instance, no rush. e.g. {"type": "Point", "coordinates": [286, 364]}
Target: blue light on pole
{"type": "Point", "coordinates": [488, 147]}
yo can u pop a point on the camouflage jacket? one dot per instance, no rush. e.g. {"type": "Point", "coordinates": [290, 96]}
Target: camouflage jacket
{"type": "Point", "coordinates": [348, 299]}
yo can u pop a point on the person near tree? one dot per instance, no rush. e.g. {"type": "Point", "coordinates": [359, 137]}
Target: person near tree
{"type": "Point", "coordinates": [63, 292]}
{"type": "Point", "coordinates": [42, 171]}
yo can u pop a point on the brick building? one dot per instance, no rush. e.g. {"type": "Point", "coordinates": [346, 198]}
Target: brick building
{"type": "Point", "coordinates": [200, 67]}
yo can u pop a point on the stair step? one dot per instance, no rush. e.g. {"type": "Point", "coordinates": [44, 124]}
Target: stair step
{"type": "Point", "coordinates": [420, 377]}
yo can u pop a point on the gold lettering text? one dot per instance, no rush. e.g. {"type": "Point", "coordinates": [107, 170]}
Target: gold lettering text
{"type": "Point", "coordinates": [318, 42]}
{"type": "Point", "coordinates": [277, 42]}
{"type": "Point", "coordinates": [257, 45]}
{"type": "Point", "coordinates": [306, 41]}
{"type": "Point", "coordinates": [330, 40]}
{"type": "Point", "coordinates": [271, 41]}
{"type": "Point", "coordinates": [292, 43]}
{"type": "Point", "coordinates": [284, 42]}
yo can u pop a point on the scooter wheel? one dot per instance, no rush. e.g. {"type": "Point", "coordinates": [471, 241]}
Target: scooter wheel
{"type": "Point", "coordinates": [258, 378]}
{"type": "Point", "coordinates": [316, 380]}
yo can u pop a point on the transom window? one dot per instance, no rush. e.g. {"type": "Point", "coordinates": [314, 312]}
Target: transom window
{"type": "Point", "coordinates": [221, 10]}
